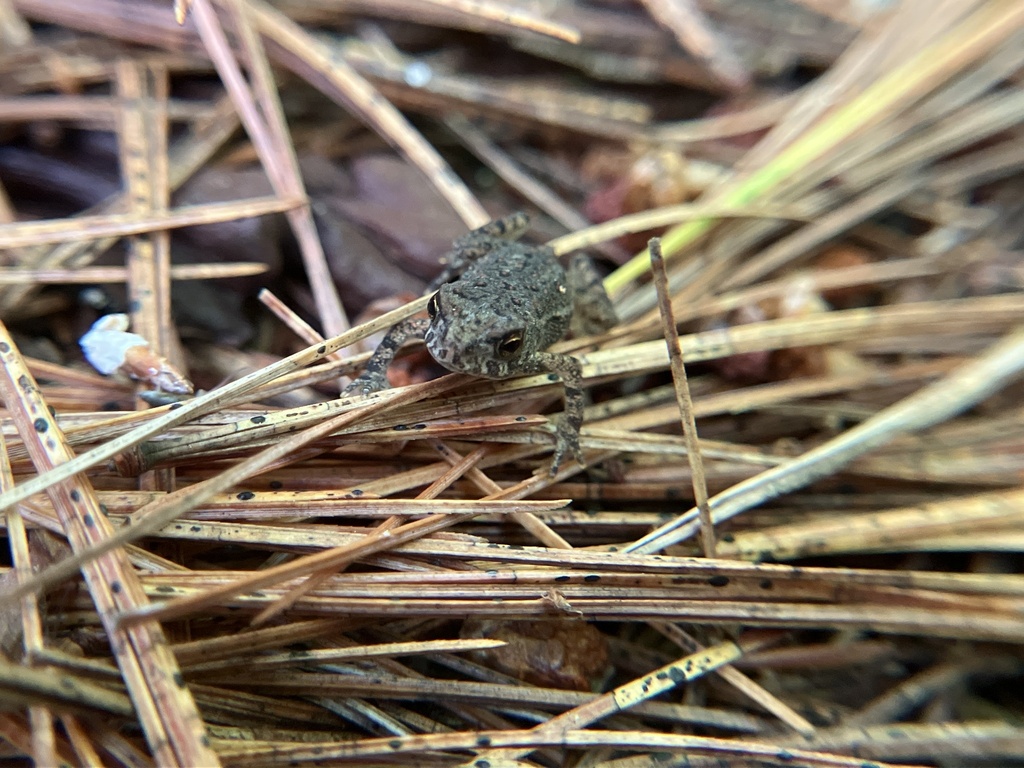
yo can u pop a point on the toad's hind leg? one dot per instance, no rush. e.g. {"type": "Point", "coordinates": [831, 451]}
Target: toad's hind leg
{"type": "Point", "coordinates": [593, 311]}
{"type": "Point", "coordinates": [509, 227]}
{"type": "Point", "coordinates": [478, 243]}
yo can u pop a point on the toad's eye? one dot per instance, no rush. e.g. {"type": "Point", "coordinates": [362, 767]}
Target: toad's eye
{"type": "Point", "coordinates": [510, 343]}
{"type": "Point", "coordinates": [433, 306]}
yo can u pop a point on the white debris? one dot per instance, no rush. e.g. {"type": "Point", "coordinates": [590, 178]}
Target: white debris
{"type": "Point", "coordinates": [110, 348]}
{"type": "Point", "coordinates": [108, 341]}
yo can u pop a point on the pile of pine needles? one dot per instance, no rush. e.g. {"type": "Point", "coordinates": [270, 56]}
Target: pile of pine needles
{"type": "Point", "coordinates": [399, 580]}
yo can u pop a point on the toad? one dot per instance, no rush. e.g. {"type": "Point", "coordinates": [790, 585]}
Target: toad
{"type": "Point", "coordinates": [496, 308]}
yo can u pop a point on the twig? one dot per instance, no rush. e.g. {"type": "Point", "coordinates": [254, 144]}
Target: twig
{"type": "Point", "coordinates": [269, 133]}
{"type": "Point", "coordinates": [960, 390]}
{"type": "Point", "coordinates": [683, 399]}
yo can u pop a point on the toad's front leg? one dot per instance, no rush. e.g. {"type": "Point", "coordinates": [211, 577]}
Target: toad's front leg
{"type": "Point", "coordinates": [374, 377]}
{"type": "Point", "coordinates": [568, 423]}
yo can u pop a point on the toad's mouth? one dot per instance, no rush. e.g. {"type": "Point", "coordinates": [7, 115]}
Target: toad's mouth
{"type": "Point", "coordinates": [436, 340]}
{"type": "Point", "coordinates": [469, 358]}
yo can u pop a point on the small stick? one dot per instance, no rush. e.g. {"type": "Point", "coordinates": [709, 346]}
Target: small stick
{"type": "Point", "coordinates": [740, 681]}
{"type": "Point", "coordinates": [513, 17]}
{"type": "Point", "coordinates": [962, 389]}
{"type": "Point", "coordinates": [101, 225]}
{"type": "Point", "coordinates": [695, 34]}
{"type": "Point", "coordinates": [257, 100]}
{"type": "Point", "coordinates": [287, 315]}
{"type": "Point", "coordinates": [682, 385]}
{"type": "Point", "coordinates": [20, 276]}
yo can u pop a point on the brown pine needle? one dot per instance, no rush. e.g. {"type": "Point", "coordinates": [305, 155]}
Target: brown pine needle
{"type": "Point", "coordinates": [121, 224]}
{"type": "Point", "coordinates": [17, 276]}
{"type": "Point", "coordinates": [683, 399]}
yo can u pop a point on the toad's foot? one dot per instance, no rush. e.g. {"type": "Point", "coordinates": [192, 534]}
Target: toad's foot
{"type": "Point", "coordinates": [374, 377]}
{"type": "Point", "coordinates": [567, 441]}
{"type": "Point", "coordinates": [367, 383]}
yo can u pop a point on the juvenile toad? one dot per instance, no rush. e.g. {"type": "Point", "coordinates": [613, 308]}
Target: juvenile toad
{"type": "Point", "coordinates": [498, 305]}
